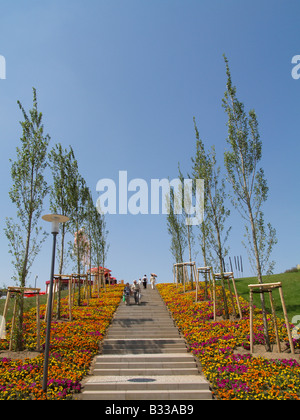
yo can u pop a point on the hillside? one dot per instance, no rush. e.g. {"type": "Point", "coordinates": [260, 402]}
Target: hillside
{"type": "Point", "coordinates": [290, 287]}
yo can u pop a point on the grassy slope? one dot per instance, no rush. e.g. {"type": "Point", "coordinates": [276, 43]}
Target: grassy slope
{"type": "Point", "coordinates": [28, 304]}
{"type": "Point", "coordinates": [290, 287]}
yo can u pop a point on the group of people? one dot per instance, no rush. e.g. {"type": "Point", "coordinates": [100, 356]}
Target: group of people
{"type": "Point", "coordinates": [135, 289]}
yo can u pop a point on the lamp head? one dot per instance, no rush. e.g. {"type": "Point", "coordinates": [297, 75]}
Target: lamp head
{"type": "Point", "coordinates": [55, 219]}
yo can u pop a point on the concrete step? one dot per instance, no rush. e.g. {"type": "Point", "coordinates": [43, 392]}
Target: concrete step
{"type": "Point", "coordinates": [137, 345]}
{"type": "Point", "coordinates": [143, 343]}
{"type": "Point", "coordinates": [159, 395]}
{"type": "Point", "coordinates": [142, 365]}
{"type": "Point", "coordinates": [141, 325]}
{"type": "Point", "coordinates": [137, 314]}
{"type": "Point", "coordinates": [142, 334]}
{"type": "Point", "coordinates": [146, 371]}
{"type": "Point", "coordinates": [143, 350]}
{"type": "Point", "coordinates": [105, 383]}
{"type": "Point", "coordinates": [151, 328]}
{"type": "Point", "coordinates": [145, 358]}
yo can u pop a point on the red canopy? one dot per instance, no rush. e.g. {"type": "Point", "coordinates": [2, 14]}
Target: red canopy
{"type": "Point", "coordinates": [95, 269]}
{"type": "Point", "coordinates": [31, 294]}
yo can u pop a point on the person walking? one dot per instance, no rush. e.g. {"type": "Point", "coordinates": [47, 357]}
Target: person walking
{"type": "Point", "coordinates": [152, 281]}
{"type": "Point", "coordinates": [136, 292]}
{"type": "Point", "coordinates": [126, 294]}
{"type": "Point", "coordinates": [145, 281]}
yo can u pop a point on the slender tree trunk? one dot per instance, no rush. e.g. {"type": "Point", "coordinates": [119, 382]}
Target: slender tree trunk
{"type": "Point", "coordinates": [204, 260]}
{"type": "Point", "coordinates": [20, 305]}
{"type": "Point", "coordinates": [220, 255]}
{"type": "Point", "coordinates": [259, 277]}
{"type": "Point", "coordinates": [60, 271]}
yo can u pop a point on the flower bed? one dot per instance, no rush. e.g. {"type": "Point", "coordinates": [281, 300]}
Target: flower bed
{"type": "Point", "coordinates": [232, 375]}
{"type": "Point", "coordinates": [72, 348]}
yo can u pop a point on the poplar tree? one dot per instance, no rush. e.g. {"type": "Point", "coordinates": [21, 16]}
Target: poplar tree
{"type": "Point", "coordinates": [205, 167]}
{"type": "Point", "coordinates": [63, 165]}
{"type": "Point", "coordinates": [81, 194]}
{"type": "Point", "coordinates": [27, 193]}
{"type": "Point", "coordinates": [248, 182]}
{"type": "Point", "coordinates": [176, 228]}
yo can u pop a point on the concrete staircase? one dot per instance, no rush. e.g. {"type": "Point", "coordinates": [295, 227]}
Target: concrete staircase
{"type": "Point", "coordinates": [144, 358]}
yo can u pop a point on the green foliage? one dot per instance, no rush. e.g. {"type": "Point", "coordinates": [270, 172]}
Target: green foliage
{"type": "Point", "coordinates": [248, 183]}
{"type": "Point", "coordinates": [215, 231]}
{"type": "Point", "coordinates": [28, 192]}
{"type": "Point", "coordinates": [63, 165]}
{"type": "Point", "coordinates": [176, 229]}
{"type": "Point", "coordinates": [247, 180]}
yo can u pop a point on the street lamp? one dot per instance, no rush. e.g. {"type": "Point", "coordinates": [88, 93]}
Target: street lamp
{"type": "Point", "coordinates": [55, 219]}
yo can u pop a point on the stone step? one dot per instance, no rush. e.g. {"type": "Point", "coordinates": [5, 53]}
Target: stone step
{"type": "Point", "coordinates": [143, 350]}
{"type": "Point", "coordinates": [108, 346]}
{"type": "Point", "coordinates": [143, 321]}
{"type": "Point", "coordinates": [159, 395]}
{"type": "Point", "coordinates": [141, 314]}
{"type": "Point", "coordinates": [146, 364]}
{"type": "Point", "coordinates": [140, 324]}
{"type": "Point", "coordinates": [152, 328]}
{"type": "Point", "coordinates": [142, 334]}
{"type": "Point", "coordinates": [145, 358]}
{"type": "Point", "coordinates": [146, 371]}
{"type": "Point", "coordinates": [105, 383]}
{"type": "Point", "coordinates": [143, 342]}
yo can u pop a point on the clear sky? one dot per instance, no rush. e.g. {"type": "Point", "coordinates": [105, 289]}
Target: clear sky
{"type": "Point", "coordinates": [121, 80]}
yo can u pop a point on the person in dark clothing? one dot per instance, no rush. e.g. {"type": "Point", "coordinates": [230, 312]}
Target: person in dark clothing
{"type": "Point", "coordinates": [145, 281]}
{"type": "Point", "coordinates": [126, 293]}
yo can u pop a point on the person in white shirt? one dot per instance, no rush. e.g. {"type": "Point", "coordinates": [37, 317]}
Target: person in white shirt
{"type": "Point", "coordinates": [136, 292]}
{"type": "Point", "coordinates": [152, 281]}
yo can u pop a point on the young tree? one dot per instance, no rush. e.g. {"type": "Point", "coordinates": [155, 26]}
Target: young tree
{"type": "Point", "coordinates": [205, 167]}
{"type": "Point", "coordinates": [187, 228]}
{"type": "Point", "coordinates": [98, 237]}
{"type": "Point", "coordinates": [81, 194]}
{"type": "Point", "coordinates": [176, 228]}
{"type": "Point", "coordinates": [63, 165]}
{"type": "Point", "coordinates": [248, 181]}
{"type": "Point", "coordinates": [28, 192]}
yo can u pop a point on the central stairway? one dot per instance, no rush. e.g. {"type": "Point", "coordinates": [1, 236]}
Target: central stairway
{"type": "Point", "coordinates": [145, 358]}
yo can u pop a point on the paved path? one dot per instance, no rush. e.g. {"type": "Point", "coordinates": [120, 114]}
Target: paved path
{"type": "Point", "coordinates": [145, 358]}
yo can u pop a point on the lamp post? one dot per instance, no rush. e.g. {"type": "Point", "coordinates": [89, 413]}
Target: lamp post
{"type": "Point", "coordinates": [55, 219]}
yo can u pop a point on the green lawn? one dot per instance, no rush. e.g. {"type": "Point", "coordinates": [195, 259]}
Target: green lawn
{"type": "Point", "coordinates": [28, 304]}
{"type": "Point", "coordinates": [291, 292]}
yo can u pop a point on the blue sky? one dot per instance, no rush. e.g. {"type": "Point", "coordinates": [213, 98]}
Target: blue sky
{"type": "Point", "coordinates": [121, 81]}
